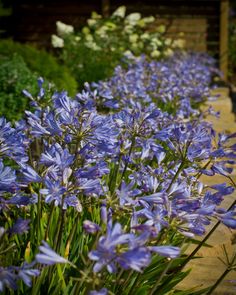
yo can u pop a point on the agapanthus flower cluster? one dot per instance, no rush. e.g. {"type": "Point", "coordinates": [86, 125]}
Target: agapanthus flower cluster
{"type": "Point", "coordinates": [113, 191]}
{"type": "Point", "coordinates": [177, 84]}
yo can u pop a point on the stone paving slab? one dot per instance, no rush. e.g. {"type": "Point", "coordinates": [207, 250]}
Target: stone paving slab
{"type": "Point", "coordinates": [206, 270]}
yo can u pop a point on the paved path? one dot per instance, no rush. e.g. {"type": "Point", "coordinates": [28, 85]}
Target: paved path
{"type": "Point", "coordinates": [207, 269]}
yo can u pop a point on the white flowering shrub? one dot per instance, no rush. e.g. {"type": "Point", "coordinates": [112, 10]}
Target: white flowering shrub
{"type": "Point", "coordinates": [94, 51]}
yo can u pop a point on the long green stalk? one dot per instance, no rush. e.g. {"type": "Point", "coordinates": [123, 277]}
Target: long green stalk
{"type": "Point", "coordinates": [154, 288]}
{"type": "Point", "coordinates": [204, 240]}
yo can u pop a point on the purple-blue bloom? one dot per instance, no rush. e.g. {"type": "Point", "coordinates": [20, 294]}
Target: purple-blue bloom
{"type": "Point", "coordinates": [90, 227]}
{"type": "Point", "coordinates": [136, 259]}
{"type": "Point", "coordinates": [48, 256]}
{"type": "Point", "coordinates": [20, 226]}
{"type": "Point", "coordinates": [7, 179]}
{"type": "Point", "coordinates": [103, 291]}
{"type": "Point", "coordinates": [167, 251]}
{"type": "Point", "coordinates": [106, 254]}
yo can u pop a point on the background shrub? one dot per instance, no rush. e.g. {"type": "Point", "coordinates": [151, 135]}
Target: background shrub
{"type": "Point", "coordinates": [93, 52]}
{"type": "Point", "coordinates": [42, 63]}
{"type": "Point", "coordinates": [14, 77]}
{"type": "Point", "coordinates": [20, 66]}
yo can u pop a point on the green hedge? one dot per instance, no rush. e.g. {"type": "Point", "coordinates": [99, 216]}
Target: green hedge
{"type": "Point", "coordinates": [14, 77]}
{"type": "Point", "coordinates": [20, 66]}
{"type": "Point", "coordinates": [42, 63]}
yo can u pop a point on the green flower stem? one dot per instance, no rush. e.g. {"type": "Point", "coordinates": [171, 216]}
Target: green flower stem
{"type": "Point", "coordinates": [134, 283]}
{"type": "Point", "coordinates": [49, 221]}
{"type": "Point", "coordinates": [204, 240]}
{"type": "Point", "coordinates": [199, 174]}
{"type": "Point", "coordinates": [37, 147]}
{"type": "Point", "coordinates": [72, 233]}
{"type": "Point", "coordinates": [154, 288]}
{"type": "Point", "coordinates": [231, 266]}
{"type": "Point", "coordinates": [58, 239]}
{"type": "Point", "coordinates": [114, 176]}
{"type": "Point", "coordinates": [126, 163]}
{"type": "Point", "coordinates": [123, 285]}
{"type": "Point", "coordinates": [7, 249]}
{"type": "Point", "coordinates": [212, 288]}
{"type": "Point", "coordinates": [176, 175]}
{"type": "Point", "coordinates": [85, 275]}
{"type": "Point", "coordinates": [39, 216]}
{"type": "Point", "coordinates": [232, 181]}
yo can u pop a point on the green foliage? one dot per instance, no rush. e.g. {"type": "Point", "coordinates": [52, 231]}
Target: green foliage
{"type": "Point", "coordinates": [14, 77]}
{"type": "Point", "coordinates": [87, 66]}
{"type": "Point", "coordinates": [41, 63]}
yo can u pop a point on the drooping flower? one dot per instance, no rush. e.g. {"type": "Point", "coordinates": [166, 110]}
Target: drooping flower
{"type": "Point", "coordinates": [7, 178]}
{"type": "Point", "coordinates": [20, 226]}
{"type": "Point", "coordinates": [90, 227]}
{"type": "Point", "coordinates": [48, 256]}
{"type": "Point", "coordinates": [167, 251]}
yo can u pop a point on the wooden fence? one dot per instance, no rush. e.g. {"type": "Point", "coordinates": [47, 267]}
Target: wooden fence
{"type": "Point", "coordinates": [203, 22]}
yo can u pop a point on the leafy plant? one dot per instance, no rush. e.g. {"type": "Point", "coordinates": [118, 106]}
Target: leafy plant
{"type": "Point", "coordinates": [93, 52]}
{"type": "Point", "coordinates": [14, 77]}
{"type": "Point", "coordinates": [41, 63]}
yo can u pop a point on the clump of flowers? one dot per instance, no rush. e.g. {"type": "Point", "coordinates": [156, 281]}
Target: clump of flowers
{"type": "Point", "coordinates": [93, 52]}
{"type": "Point", "coordinates": [102, 202]}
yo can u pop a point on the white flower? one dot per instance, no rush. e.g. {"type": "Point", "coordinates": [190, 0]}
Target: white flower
{"type": "Point", "coordinates": [145, 36]}
{"type": "Point", "coordinates": [133, 18]}
{"type": "Point", "coordinates": [128, 29]}
{"type": "Point", "coordinates": [102, 32]}
{"type": "Point", "coordinates": [92, 45]}
{"type": "Point", "coordinates": [178, 43]}
{"type": "Point", "coordinates": [77, 38]}
{"type": "Point", "coordinates": [155, 53]}
{"type": "Point", "coordinates": [110, 26]}
{"type": "Point", "coordinates": [57, 42]}
{"type": "Point", "coordinates": [157, 41]}
{"type": "Point", "coordinates": [91, 22]}
{"type": "Point", "coordinates": [148, 19]}
{"type": "Point", "coordinates": [120, 12]}
{"type": "Point", "coordinates": [161, 29]}
{"type": "Point", "coordinates": [128, 53]}
{"type": "Point", "coordinates": [89, 38]}
{"type": "Point", "coordinates": [133, 38]}
{"type": "Point", "coordinates": [85, 30]}
{"type": "Point", "coordinates": [95, 15]}
{"type": "Point", "coordinates": [63, 29]}
{"type": "Point", "coordinates": [168, 41]}
{"type": "Point", "coordinates": [141, 23]}
{"type": "Point", "coordinates": [168, 52]}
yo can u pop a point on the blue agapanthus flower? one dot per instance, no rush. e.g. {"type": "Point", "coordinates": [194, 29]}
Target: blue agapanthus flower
{"type": "Point", "coordinates": [48, 256]}
{"type": "Point", "coordinates": [8, 181]}
{"type": "Point", "coordinates": [106, 254]}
